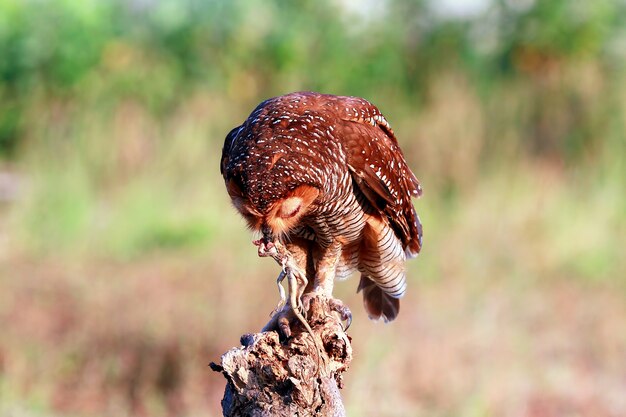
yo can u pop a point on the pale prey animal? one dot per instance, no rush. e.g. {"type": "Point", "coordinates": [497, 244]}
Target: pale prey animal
{"type": "Point", "coordinates": [324, 176]}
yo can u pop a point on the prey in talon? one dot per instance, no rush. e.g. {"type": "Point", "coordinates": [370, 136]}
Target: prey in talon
{"type": "Point", "coordinates": [296, 281]}
{"type": "Point", "coordinates": [323, 180]}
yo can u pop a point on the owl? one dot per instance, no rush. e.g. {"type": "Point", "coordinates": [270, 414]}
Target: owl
{"type": "Point", "coordinates": [324, 175]}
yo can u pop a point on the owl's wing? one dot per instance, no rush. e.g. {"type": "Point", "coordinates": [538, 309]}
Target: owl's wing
{"type": "Point", "coordinates": [380, 170]}
{"type": "Point", "coordinates": [228, 144]}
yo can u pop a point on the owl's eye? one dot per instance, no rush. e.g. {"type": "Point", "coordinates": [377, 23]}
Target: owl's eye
{"type": "Point", "coordinates": [291, 213]}
{"type": "Point", "coordinates": [290, 207]}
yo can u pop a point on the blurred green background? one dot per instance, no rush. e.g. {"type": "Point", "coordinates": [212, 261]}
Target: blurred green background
{"type": "Point", "coordinates": [124, 271]}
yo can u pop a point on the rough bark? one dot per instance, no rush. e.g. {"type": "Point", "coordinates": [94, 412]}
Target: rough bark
{"type": "Point", "coordinates": [269, 377]}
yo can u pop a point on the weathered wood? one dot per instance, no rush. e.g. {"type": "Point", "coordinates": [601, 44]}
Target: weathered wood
{"type": "Point", "coordinates": [267, 377]}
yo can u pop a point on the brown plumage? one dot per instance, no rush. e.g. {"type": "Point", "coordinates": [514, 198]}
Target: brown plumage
{"type": "Point", "coordinates": [325, 175]}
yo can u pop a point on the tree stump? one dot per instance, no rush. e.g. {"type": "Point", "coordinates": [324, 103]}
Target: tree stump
{"type": "Point", "coordinates": [270, 377]}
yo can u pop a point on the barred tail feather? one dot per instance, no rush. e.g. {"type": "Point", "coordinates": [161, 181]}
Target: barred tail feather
{"type": "Point", "coordinates": [378, 304]}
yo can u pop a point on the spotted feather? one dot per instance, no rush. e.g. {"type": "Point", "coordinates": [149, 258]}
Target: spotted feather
{"type": "Point", "coordinates": [328, 170]}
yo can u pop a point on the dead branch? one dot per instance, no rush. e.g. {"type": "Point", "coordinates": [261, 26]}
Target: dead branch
{"type": "Point", "coordinates": [268, 378]}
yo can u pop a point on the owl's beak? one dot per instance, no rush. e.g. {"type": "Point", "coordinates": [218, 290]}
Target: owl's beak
{"type": "Point", "coordinates": [268, 234]}
{"type": "Point", "coordinates": [266, 243]}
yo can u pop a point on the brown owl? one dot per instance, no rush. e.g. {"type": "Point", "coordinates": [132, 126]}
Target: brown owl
{"type": "Point", "coordinates": [324, 175]}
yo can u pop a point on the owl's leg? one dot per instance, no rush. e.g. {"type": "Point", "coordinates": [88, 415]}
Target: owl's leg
{"type": "Point", "coordinates": [325, 272]}
{"type": "Point", "coordinates": [326, 269]}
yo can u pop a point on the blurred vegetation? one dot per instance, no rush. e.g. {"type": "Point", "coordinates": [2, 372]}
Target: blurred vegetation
{"type": "Point", "coordinates": [96, 94]}
{"type": "Point", "coordinates": [86, 54]}
{"type": "Point", "coordinates": [112, 118]}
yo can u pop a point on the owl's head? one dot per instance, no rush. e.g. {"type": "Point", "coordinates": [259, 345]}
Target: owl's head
{"type": "Point", "coordinates": [271, 214]}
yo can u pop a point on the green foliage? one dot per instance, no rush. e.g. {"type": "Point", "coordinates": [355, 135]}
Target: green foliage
{"type": "Point", "coordinates": [157, 52]}
{"type": "Point", "coordinates": [107, 105]}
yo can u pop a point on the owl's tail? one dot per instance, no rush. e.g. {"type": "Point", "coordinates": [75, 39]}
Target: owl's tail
{"type": "Point", "coordinates": [378, 303]}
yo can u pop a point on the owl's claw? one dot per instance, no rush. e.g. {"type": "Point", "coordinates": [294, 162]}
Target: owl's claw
{"type": "Point", "coordinates": [344, 312]}
{"type": "Point", "coordinates": [284, 317]}
{"type": "Point", "coordinates": [281, 322]}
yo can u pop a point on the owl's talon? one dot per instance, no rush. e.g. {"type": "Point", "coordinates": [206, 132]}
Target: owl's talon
{"type": "Point", "coordinates": [347, 317]}
{"type": "Point", "coordinates": [283, 327]}
{"type": "Point", "coordinates": [344, 312]}
{"type": "Point", "coordinates": [281, 322]}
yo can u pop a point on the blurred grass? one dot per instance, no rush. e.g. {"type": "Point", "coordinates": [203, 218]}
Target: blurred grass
{"type": "Point", "coordinates": [124, 270]}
